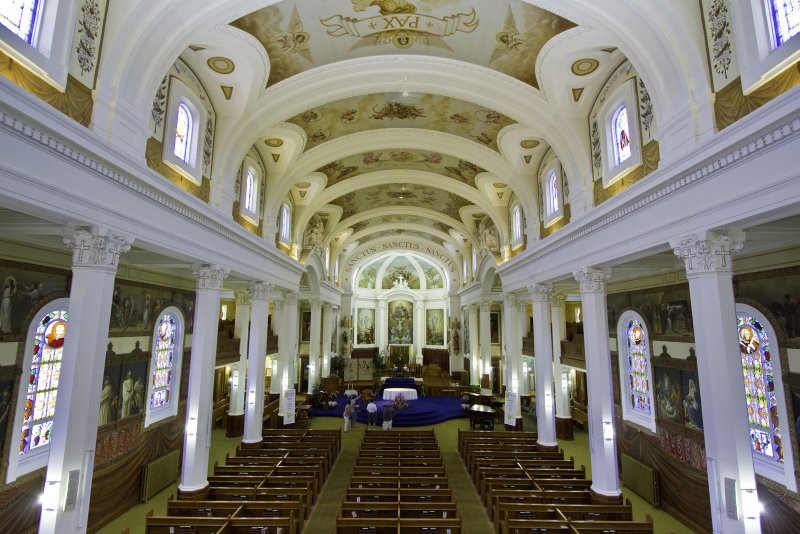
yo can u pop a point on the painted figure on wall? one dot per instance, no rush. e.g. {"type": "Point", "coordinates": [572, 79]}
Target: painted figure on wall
{"type": "Point", "coordinates": [105, 402]}
{"type": "Point", "coordinates": [692, 406]}
{"type": "Point", "coordinates": [9, 291]}
{"type": "Point", "coordinates": [401, 322]}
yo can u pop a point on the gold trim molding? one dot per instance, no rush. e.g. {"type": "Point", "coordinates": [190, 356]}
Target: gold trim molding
{"type": "Point", "coordinates": [731, 104]}
{"type": "Point", "coordinates": [651, 155]}
{"type": "Point", "coordinates": [154, 154]}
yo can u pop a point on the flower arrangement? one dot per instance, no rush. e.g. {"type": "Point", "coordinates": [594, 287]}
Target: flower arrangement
{"type": "Point", "coordinates": [400, 402]}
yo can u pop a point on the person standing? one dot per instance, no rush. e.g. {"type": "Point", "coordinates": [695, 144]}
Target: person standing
{"type": "Point", "coordinates": [354, 413]}
{"type": "Point", "coordinates": [348, 411]}
{"type": "Point", "coordinates": [372, 414]}
{"type": "Point", "coordinates": [388, 415]}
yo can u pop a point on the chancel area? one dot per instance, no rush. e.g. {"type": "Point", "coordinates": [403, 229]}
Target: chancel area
{"type": "Point", "coordinates": [514, 227]}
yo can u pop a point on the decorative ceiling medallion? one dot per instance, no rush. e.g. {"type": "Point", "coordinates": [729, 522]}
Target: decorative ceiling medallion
{"type": "Point", "coordinates": [274, 142]}
{"type": "Point", "coordinates": [527, 158]}
{"type": "Point", "coordinates": [276, 157]}
{"type": "Point", "coordinates": [576, 93]}
{"type": "Point", "coordinates": [227, 90]}
{"type": "Point", "coordinates": [585, 66]}
{"type": "Point", "coordinates": [500, 195]}
{"type": "Point", "coordinates": [303, 185]}
{"type": "Point", "coordinates": [499, 185]}
{"type": "Point", "coordinates": [303, 194]}
{"type": "Point", "coordinates": [529, 143]}
{"type": "Point", "coordinates": [221, 65]}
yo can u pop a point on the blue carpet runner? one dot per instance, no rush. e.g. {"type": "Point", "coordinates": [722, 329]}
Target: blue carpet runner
{"type": "Point", "coordinates": [420, 412]}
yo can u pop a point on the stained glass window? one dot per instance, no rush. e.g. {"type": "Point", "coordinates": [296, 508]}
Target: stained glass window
{"type": "Point", "coordinates": [553, 194]}
{"type": "Point", "coordinates": [164, 361]}
{"type": "Point", "coordinates": [785, 16]}
{"type": "Point", "coordinates": [516, 224]}
{"type": "Point", "coordinates": [759, 389]}
{"type": "Point", "coordinates": [250, 189]}
{"type": "Point", "coordinates": [42, 383]}
{"type": "Point", "coordinates": [286, 220]}
{"type": "Point", "coordinates": [638, 368]}
{"type": "Point", "coordinates": [183, 133]}
{"type": "Point", "coordinates": [622, 140]}
{"type": "Point", "coordinates": [19, 16]}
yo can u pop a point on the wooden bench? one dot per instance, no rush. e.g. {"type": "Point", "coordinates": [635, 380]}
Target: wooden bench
{"type": "Point", "coordinates": [187, 525]}
{"type": "Point", "coordinates": [579, 413]}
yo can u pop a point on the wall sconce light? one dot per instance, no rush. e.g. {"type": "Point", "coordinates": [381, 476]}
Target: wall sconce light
{"type": "Point", "coordinates": [525, 368]}
{"type": "Point", "coordinates": [235, 378]}
{"type": "Point", "coordinates": [191, 427]}
{"type": "Point", "coordinates": [751, 507]}
{"type": "Point", "coordinates": [548, 401]}
{"type": "Point", "coordinates": [608, 431]}
{"type": "Point", "coordinates": [49, 497]}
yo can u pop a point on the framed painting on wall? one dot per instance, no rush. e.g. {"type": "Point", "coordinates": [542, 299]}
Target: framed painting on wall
{"type": "Point", "coordinates": [305, 326]}
{"type": "Point", "coordinates": [365, 323]}
{"type": "Point", "coordinates": [434, 327]}
{"type": "Point", "coordinates": [494, 327]}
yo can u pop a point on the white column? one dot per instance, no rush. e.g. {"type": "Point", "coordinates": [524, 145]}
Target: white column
{"type": "Point", "coordinates": [513, 343]}
{"type": "Point", "coordinates": [602, 436]}
{"type": "Point", "coordinates": [314, 348]}
{"type": "Point", "coordinates": [241, 329]}
{"type": "Point", "coordinates": [474, 347]}
{"type": "Point", "coordinates": [522, 322]}
{"type": "Point", "coordinates": [731, 479]}
{"type": "Point", "coordinates": [256, 359]}
{"type": "Point", "coordinates": [419, 329]}
{"type": "Point", "coordinates": [94, 265]}
{"type": "Point", "coordinates": [382, 326]}
{"type": "Point", "coordinates": [287, 368]}
{"type": "Point", "coordinates": [543, 353]}
{"type": "Point", "coordinates": [486, 340]}
{"type": "Point", "coordinates": [327, 329]}
{"type": "Point", "coordinates": [277, 320]}
{"type": "Point", "coordinates": [558, 321]}
{"type": "Point", "coordinates": [197, 438]}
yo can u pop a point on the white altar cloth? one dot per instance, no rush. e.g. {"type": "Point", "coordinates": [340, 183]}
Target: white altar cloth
{"type": "Point", "coordinates": [392, 393]}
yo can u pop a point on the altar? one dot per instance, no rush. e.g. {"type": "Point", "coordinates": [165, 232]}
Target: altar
{"type": "Point", "coordinates": [391, 394]}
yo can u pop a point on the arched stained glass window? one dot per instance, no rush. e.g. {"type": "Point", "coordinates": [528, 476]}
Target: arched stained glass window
{"type": "Point", "coordinates": [638, 368]}
{"type": "Point", "coordinates": [250, 191]}
{"type": "Point", "coordinates": [759, 389]}
{"type": "Point", "coordinates": [164, 354]}
{"type": "Point", "coordinates": [42, 383]}
{"type": "Point", "coordinates": [635, 371]}
{"type": "Point", "coordinates": [19, 16]}
{"type": "Point", "coordinates": [286, 223]}
{"type": "Point", "coordinates": [622, 139]}
{"type": "Point", "coordinates": [183, 133]}
{"type": "Point", "coordinates": [785, 15]}
{"type": "Point", "coordinates": [516, 224]}
{"type": "Point", "coordinates": [553, 202]}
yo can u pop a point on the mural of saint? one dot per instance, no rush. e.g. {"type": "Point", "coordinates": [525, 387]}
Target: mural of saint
{"type": "Point", "coordinates": [401, 322]}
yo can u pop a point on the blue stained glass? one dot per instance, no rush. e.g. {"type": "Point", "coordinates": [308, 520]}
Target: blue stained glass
{"type": "Point", "coordinates": [19, 16]}
{"type": "Point", "coordinates": [638, 368]}
{"type": "Point", "coordinates": [785, 19]}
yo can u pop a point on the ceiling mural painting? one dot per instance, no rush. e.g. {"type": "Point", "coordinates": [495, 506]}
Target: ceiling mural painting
{"type": "Point", "coordinates": [393, 110]}
{"type": "Point", "coordinates": [504, 35]}
{"type": "Point", "coordinates": [412, 160]}
{"type": "Point", "coordinates": [392, 195]}
{"type": "Point", "coordinates": [409, 233]}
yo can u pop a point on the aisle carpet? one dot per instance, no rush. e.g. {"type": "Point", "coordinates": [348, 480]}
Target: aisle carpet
{"type": "Point", "coordinates": [420, 412]}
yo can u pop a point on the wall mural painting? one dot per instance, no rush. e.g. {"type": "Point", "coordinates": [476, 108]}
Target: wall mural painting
{"type": "Point", "coordinates": [778, 291]}
{"type": "Point", "coordinates": [6, 387]}
{"type": "Point", "coordinates": [415, 195]}
{"type": "Point", "coordinates": [367, 277]}
{"type": "Point", "coordinates": [692, 404]}
{"type": "Point", "coordinates": [366, 326]}
{"type": "Point", "coordinates": [305, 326]}
{"type": "Point", "coordinates": [125, 382]}
{"type": "Point", "coordinates": [669, 396]}
{"type": "Point", "coordinates": [401, 322]}
{"type": "Point", "coordinates": [135, 307]}
{"type": "Point", "coordinates": [466, 335]}
{"type": "Point", "coordinates": [666, 310]}
{"type": "Point", "coordinates": [434, 327]}
{"type": "Point", "coordinates": [494, 327]}
{"type": "Point", "coordinates": [400, 274]}
{"type": "Point", "coordinates": [433, 278]}
{"type": "Point", "coordinates": [24, 287]}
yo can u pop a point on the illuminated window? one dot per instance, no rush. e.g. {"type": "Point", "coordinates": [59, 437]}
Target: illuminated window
{"type": "Point", "coordinates": [785, 15]}
{"type": "Point", "coordinates": [250, 191]}
{"type": "Point", "coordinates": [764, 396]}
{"type": "Point", "coordinates": [553, 192]}
{"type": "Point", "coordinates": [164, 366]}
{"type": "Point", "coordinates": [286, 224]}
{"type": "Point", "coordinates": [635, 372]}
{"type": "Point", "coordinates": [20, 16]}
{"type": "Point", "coordinates": [183, 133]}
{"type": "Point", "coordinates": [622, 138]}
{"type": "Point", "coordinates": [516, 225]}
{"type": "Point", "coordinates": [38, 391]}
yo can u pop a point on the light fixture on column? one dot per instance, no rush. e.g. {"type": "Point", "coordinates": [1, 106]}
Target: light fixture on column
{"type": "Point", "coordinates": [191, 427]}
{"type": "Point", "coordinates": [608, 431]}
{"type": "Point", "coordinates": [49, 497]}
{"type": "Point", "coordinates": [751, 507]}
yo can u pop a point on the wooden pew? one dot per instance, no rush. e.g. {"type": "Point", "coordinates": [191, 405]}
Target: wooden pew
{"type": "Point", "coordinates": [263, 525]}
{"type": "Point", "coordinates": [425, 495]}
{"type": "Point", "coordinates": [187, 525]}
{"type": "Point", "coordinates": [372, 495]}
{"type": "Point", "coordinates": [441, 510]}
{"type": "Point", "coordinates": [370, 509]}
{"type": "Point", "coordinates": [368, 525]}
{"type": "Point", "coordinates": [430, 525]}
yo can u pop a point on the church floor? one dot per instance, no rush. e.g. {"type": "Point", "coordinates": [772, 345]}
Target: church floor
{"type": "Point", "coordinates": [323, 518]}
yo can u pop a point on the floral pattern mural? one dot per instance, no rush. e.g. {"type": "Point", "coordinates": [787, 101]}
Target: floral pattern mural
{"type": "Point", "coordinates": [389, 195]}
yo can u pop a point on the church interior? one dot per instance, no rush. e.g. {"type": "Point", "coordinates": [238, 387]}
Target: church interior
{"type": "Point", "coordinates": [573, 222]}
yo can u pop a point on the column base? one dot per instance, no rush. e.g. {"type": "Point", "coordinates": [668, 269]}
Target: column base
{"type": "Point", "coordinates": [599, 498]}
{"type": "Point", "coordinates": [550, 448]}
{"type": "Point", "coordinates": [564, 428]}
{"type": "Point", "coordinates": [256, 445]}
{"type": "Point", "coordinates": [234, 427]}
{"type": "Point", "coordinates": [194, 495]}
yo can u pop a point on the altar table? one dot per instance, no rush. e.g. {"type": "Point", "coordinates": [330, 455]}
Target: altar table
{"type": "Point", "coordinates": [392, 393]}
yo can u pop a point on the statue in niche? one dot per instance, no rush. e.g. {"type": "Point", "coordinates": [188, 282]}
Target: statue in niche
{"type": "Point", "coordinates": [314, 233]}
{"type": "Point", "coordinates": [400, 282]}
{"type": "Point", "coordinates": [487, 235]}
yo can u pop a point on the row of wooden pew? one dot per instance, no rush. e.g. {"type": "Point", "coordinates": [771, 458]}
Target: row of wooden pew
{"type": "Point", "coordinates": [268, 488]}
{"type": "Point", "coordinates": [527, 490]}
{"type": "Point", "coordinates": [399, 485]}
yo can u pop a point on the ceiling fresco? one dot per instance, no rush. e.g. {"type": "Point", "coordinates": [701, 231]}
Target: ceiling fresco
{"type": "Point", "coordinates": [407, 220]}
{"type": "Point", "coordinates": [505, 35]}
{"type": "Point", "coordinates": [393, 110]}
{"type": "Point", "coordinates": [417, 196]}
{"type": "Point", "coordinates": [398, 159]}
{"type": "Point", "coordinates": [409, 233]}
